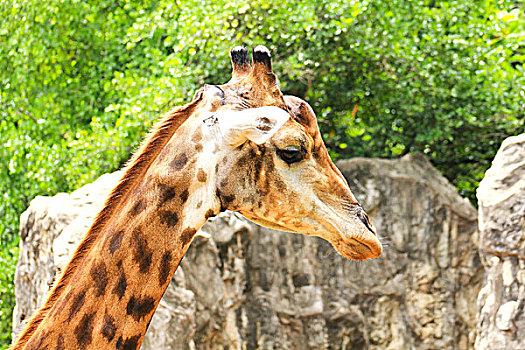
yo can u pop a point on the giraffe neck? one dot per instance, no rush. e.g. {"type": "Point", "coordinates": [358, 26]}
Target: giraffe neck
{"type": "Point", "coordinates": [116, 288]}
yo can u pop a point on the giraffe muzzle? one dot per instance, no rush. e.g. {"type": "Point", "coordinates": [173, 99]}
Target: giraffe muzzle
{"type": "Point", "coordinates": [359, 239]}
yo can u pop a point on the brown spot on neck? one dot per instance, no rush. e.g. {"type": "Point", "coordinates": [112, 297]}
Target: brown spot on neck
{"type": "Point", "coordinates": [179, 162]}
{"type": "Point", "coordinates": [120, 287]}
{"type": "Point", "coordinates": [187, 235]}
{"type": "Point", "coordinates": [139, 308]}
{"type": "Point", "coordinates": [131, 343]}
{"type": "Point", "coordinates": [138, 207]}
{"type": "Point", "coordinates": [197, 135]}
{"type": "Point", "coordinates": [99, 274]}
{"type": "Point", "coordinates": [209, 214]}
{"type": "Point", "coordinates": [115, 241]}
{"type": "Point", "coordinates": [77, 304]}
{"type": "Point", "coordinates": [84, 330]}
{"type": "Point", "coordinates": [201, 175]}
{"type": "Point", "coordinates": [166, 193]}
{"type": "Point", "coordinates": [60, 343]}
{"type": "Point", "coordinates": [165, 268]}
{"type": "Point", "coordinates": [109, 328]}
{"type": "Point", "coordinates": [142, 254]}
{"type": "Point", "coordinates": [168, 218]}
{"type": "Point", "coordinates": [184, 195]}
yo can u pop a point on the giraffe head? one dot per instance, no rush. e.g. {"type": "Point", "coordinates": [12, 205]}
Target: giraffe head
{"type": "Point", "coordinates": [272, 164]}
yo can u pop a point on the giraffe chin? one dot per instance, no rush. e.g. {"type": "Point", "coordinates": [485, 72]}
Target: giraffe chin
{"type": "Point", "coordinates": [268, 224]}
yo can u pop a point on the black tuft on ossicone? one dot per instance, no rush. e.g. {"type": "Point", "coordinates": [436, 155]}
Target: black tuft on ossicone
{"type": "Point", "coordinates": [261, 54]}
{"type": "Point", "coordinates": [239, 56]}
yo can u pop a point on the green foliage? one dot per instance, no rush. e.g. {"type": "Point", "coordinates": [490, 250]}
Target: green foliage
{"type": "Point", "coordinates": [442, 78]}
{"type": "Point", "coordinates": [81, 82]}
{"type": "Point", "coordinates": [8, 257]}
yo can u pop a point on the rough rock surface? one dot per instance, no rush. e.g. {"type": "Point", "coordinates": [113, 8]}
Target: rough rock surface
{"type": "Point", "coordinates": [501, 302]}
{"type": "Point", "coordinates": [241, 286]}
{"type": "Point", "coordinates": [50, 230]}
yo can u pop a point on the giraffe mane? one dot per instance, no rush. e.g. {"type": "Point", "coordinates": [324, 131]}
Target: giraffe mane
{"type": "Point", "coordinates": [136, 167]}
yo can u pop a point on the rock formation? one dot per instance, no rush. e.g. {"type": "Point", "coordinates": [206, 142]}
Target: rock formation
{"type": "Point", "coordinates": [247, 287]}
{"type": "Point", "coordinates": [501, 302]}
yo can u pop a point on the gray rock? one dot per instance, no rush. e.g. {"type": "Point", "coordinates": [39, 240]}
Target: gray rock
{"type": "Point", "coordinates": [50, 230]}
{"type": "Point", "coordinates": [501, 302]}
{"type": "Point", "coordinates": [242, 286]}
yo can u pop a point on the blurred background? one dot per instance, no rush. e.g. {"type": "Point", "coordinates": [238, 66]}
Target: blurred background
{"type": "Point", "coordinates": [81, 82]}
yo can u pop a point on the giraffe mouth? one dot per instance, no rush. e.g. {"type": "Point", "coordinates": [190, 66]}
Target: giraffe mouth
{"type": "Point", "coordinates": [356, 250]}
{"type": "Point", "coordinates": [373, 250]}
{"type": "Point", "coordinates": [360, 246]}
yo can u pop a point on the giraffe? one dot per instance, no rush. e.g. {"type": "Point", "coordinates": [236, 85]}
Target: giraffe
{"type": "Point", "coordinates": [240, 146]}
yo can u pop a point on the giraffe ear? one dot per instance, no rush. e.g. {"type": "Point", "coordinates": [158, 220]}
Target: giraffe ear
{"type": "Point", "coordinates": [254, 124]}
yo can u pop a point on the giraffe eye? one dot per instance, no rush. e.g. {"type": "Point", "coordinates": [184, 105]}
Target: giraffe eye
{"type": "Point", "coordinates": [291, 154]}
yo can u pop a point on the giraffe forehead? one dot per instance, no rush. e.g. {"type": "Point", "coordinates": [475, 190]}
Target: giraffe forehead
{"type": "Point", "coordinates": [216, 98]}
{"type": "Point", "coordinates": [239, 96]}
{"type": "Point", "coordinates": [292, 134]}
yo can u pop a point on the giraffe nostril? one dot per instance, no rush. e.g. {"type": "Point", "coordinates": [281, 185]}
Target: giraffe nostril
{"type": "Point", "coordinates": [364, 218]}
